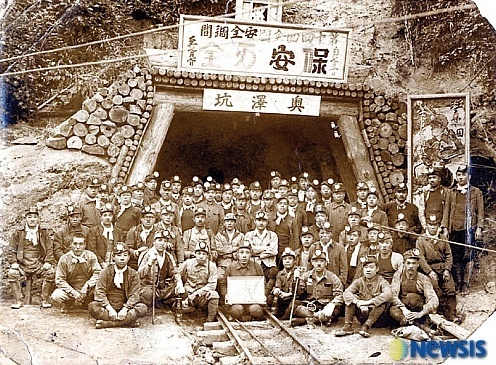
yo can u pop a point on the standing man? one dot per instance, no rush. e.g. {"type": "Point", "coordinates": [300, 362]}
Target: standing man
{"type": "Point", "coordinates": [117, 293]}
{"type": "Point", "coordinates": [199, 233]}
{"type": "Point", "coordinates": [284, 227]}
{"type": "Point", "coordinates": [166, 199]}
{"type": "Point", "coordinates": [214, 214]}
{"type": "Point", "coordinates": [244, 221]}
{"type": "Point", "coordinates": [126, 216]}
{"type": "Point", "coordinates": [30, 253]}
{"type": "Point", "coordinates": [175, 242]}
{"type": "Point", "coordinates": [401, 206]}
{"type": "Point", "coordinates": [151, 195]}
{"type": "Point", "coordinates": [62, 238]}
{"type": "Point", "coordinates": [176, 189]}
{"type": "Point", "coordinates": [326, 192]}
{"type": "Point", "coordinates": [372, 213]}
{"type": "Point", "coordinates": [433, 198]}
{"type": "Point", "coordinates": [227, 202]}
{"type": "Point", "coordinates": [464, 218]}
{"type": "Point", "coordinates": [140, 238]}
{"type": "Point", "coordinates": [87, 204]}
{"type": "Point", "coordinates": [338, 210]}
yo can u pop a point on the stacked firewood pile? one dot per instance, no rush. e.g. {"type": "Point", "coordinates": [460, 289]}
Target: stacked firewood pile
{"type": "Point", "coordinates": [385, 133]}
{"type": "Point", "coordinates": [111, 123]}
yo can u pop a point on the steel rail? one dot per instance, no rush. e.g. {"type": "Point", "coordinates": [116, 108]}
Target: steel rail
{"type": "Point", "coordinates": [232, 333]}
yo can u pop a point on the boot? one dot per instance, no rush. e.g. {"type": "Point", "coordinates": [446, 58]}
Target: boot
{"type": "Point", "coordinates": [107, 324]}
{"type": "Point", "coordinates": [364, 331]}
{"type": "Point", "coordinates": [46, 291]}
{"type": "Point", "coordinates": [345, 331]}
{"type": "Point", "coordinates": [15, 287]}
{"type": "Point", "coordinates": [212, 308]}
{"type": "Point", "coordinates": [450, 312]}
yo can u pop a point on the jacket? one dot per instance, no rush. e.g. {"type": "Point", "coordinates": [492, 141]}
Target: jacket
{"type": "Point", "coordinates": [131, 286]}
{"type": "Point", "coordinates": [97, 243]}
{"type": "Point", "coordinates": [475, 202]}
{"type": "Point", "coordinates": [15, 252]}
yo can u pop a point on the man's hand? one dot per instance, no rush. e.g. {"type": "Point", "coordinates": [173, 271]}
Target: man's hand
{"type": "Point", "coordinates": [276, 291]}
{"type": "Point", "coordinates": [413, 316]}
{"type": "Point", "coordinates": [297, 273]}
{"type": "Point", "coordinates": [122, 314]}
{"type": "Point", "coordinates": [112, 313]}
{"type": "Point", "coordinates": [284, 295]}
{"type": "Point", "coordinates": [328, 309]}
{"type": "Point", "coordinates": [180, 289]}
{"type": "Point", "coordinates": [78, 297]}
{"type": "Point", "coordinates": [478, 233]}
{"type": "Point", "coordinates": [406, 311]}
{"type": "Point", "coordinates": [446, 275]}
{"type": "Point", "coordinates": [47, 266]}
{"type": "Point", "coordinates": [433, 276]}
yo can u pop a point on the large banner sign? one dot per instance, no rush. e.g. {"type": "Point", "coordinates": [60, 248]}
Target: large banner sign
{"type": "Point", "coordinates": [249, 48]}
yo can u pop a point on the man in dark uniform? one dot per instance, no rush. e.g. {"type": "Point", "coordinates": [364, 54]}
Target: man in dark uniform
{"type": "Point", "coordinates": [87, 204]}
{"type": "Point", "coordinates": [372, 213]}
{"type": "Point", "coordinates": [175, 241]}
{"type": "Point", "coordinates": [151, 195]}
{"type": "Point", "coordinates": [362, 192]}
{"type": "Point", "coordinates": [214, 213]}
{"type": "Point", "coordinates": [401, 206]}
{"type": "Point", "coordinates": [244, 221]}
{"type": "Point", "coordinates": [285, 227]}
{"type": "Point", "coordinates": [255, 203]}
{"type": "Point", "coordinates": [227, 201]}
{"type": "Point", "coordinates": [176, 184]}
{"type": "Point", "coordinates": [166, 199]}
{"type": "Point", "coordinates": [62, 238]}
{"type": "Point", "coordinates": [295, 210]}
{"type": "Point", "coordinates": [326, 192]}
{"type": "Point", "coordinates": [30, 252]}
{"type": "Point", "coordinates": [338, 210]}
{"type": "Point", "coordinates": [402, 239]}
{"type": "Point", "coordinates": [433, 198]}
{"type": "Point", "coordinates": [187, 209]}
{"type": "Point", "coordinates": [140, 238]}
{"type": "Point", "coordinates": [117, 293]}
{"type": "Point", "coordinates": [126, 215]}
{"type": "Point", "coordinates": [275, 181]}
{"type": "Point", "coordinates": [138, 195]}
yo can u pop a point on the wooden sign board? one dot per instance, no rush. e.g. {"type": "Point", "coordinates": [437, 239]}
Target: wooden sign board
{"type": "Point", "coordinates": [261, 102]}
{"type": "Point", "coordinates": [228, 46]}
{"type": "Point", "coordinates": [438, 135]}
{"type": "Point", "coordinates": [245, 290]}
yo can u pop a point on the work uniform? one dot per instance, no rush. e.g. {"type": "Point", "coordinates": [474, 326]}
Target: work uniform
{"type": "Point", "coordinates": [89, 211]}
{"type": "Point", "coordinates": [62, 239]}
{"type": "Point", "coordinates": [101, 241]}
{"type": "Point", "coordinates": [138, 240]}
{"type": "Point", "coordinates": [337, 261]}
{"type": "Point", "coordinates": [177, 249]}
{"type": "Point", "coordinates": [214, 215]}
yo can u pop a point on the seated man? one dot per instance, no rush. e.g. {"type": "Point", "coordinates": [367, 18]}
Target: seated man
{"type": "Point", "coordinates": [30, 253]}
{"type": "Point", "coordinates": [322, 291]}
{"type": "Point", "coordinates": [413, 294]}
{"type": "Point", "coordinates": [157, 271]}
{"type": "Point", "coordinates": [117, 293]}
{"type": "Point", "coordinates": [245, 266]}
{"type": "Point", "coordinates": [367, 298]}
{"type": "Point", "coordinates": [199, 276]}
{"type": "Point", "coordinates": [284, 288]}
{"type": "Point", "coordinates": [76, 275]}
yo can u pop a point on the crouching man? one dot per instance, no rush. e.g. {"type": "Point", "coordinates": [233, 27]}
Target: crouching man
{"type": "Point", "coordinates": [117, 293]}
{"type": "Point", "coordinates": [413, 294]}
{"type": "Point", "coordinates": [199, 276]}
{"type": "Point", "coordinates": [157, 271]}
{"type": "Point", "coordinates": [76, 275]}
{"type": "Point", "coordinates": [367, 298]}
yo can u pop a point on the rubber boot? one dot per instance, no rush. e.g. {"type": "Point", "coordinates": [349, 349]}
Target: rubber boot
{"type": "Point", "coordinates": [46, 291]}
{"type": "Point", "coordinates": [15, 287]}
{"type": "Point", "coordinates": [450, 312]}
{"type": "Point", "coordinates": [212, 308]}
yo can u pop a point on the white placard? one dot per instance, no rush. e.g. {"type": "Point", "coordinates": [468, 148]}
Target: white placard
{"type": "Point", "coordinates": [245, 290]}
{"type": "Point", "coordinates": [237, 47]}
{"type": "Point", "coordinates": [261, 102]}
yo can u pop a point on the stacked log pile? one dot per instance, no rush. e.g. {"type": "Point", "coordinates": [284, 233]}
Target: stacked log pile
{"type": "Point", "coordinates": [384, 126]}
{"type": "Point", "coordinates": [111, 123]}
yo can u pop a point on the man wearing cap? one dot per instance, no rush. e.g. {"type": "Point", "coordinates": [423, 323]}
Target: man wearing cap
{"type": "Point", "coordinates": [402, 239]}
{"type": "Point", "coordinates": [436, 250]}
{"type": "Point", "coordinates": [103, 195]}
{"type": "Point", "coordinates": [197, 185]}
{"type": "Point", "coordinates": [354, 217]}
{"type": "Point", "coordinates": [310, 201]}
{"type": "Point", "coordinates": [401, 206]}
{"type": "Point", "coordinates": [275, 181]}
{"type": "Point", "coordinates": [214, 217]}
{"type": "Point", "coordinates": [362, 192]}
{"type": "Point", "coordinates": [389, 262]}
{"type": "Point", "coordinates": [354, 250]}
{"type": "Point", "coordinates": [126, 215]}
{"type": "Point", "coordinates": [76, 275]}
{"type": "Point", "coordinates": [282, 293]}
{"type": "Point", "coordinates": [268, 198]}
{"type": "Point", "coordinates": [464, 219]}
{"type": "Point", "coordinates": [87, 204]}
{"type": "Point", "coordinates": [101, 239]}
{"type": "Point", "coordinates": [245, 266]}
{"type": "Point", "coordinates": [326, 192]}
{"type": "Point", "coordinates": [302, 186]}
{"type": "Point", "coordinates": [413, 295]}
{"type": "Point", "coordinates": [244, 221]}
{"type": "Point", "coordinates": [284, 227]}
{"type": "Point", "coordinates": [296, 211]}
{"type": "Point", "coordinates": [264, 244]}
{"type": "Point", "coordinates": [117, 291]}
{"type": "Point", "coordinates": [150, 193]}
{"type": "Point", "coordinates": [321, 291]}
{"type": "Point", "coordinates": [255, 204]}
{"type": "Point", "coordinates": [284, 188]}
{"type": "Point", "coordinates": [140, 238]}
{"type": "Point", "coordinates": [335, 254]}
{"type": "Point", "coordinates": [227, 202]}
{"type": "Point", "coordinates": [187, 209]}
{"type": "Point", "coordinates": [218, 193]}
{"type": "Point", "coordinates": [432, 198]}
{"type": "Point", "coordinates": [199, 276]}
{"type": "Point", "coordinates": [138, 195]}
{"type": "Point", "coordinates": [372, 213]}
{"type": "Point", "coordinates": [367, 298]}
{"type": "Point", "coordinates": [199, 233]}
{"type": "Point", "coordinates": [30, 253]}
{"type": "Point", "coordinates": [227, 242]}
{"type": "Point", "coordinates": [158, 269]}
{"type": "Point", "coordinates": [165, 199]}
{"type": "Point", "coordinates": [338, 210]}
{"type": "Point", "coordinates": [321, 217]}
{"type": "Point", "coordinates": [176, 184]}
{"type": "Point", "coordinates": [303, 253]}
{"type": "Point", "coordinates": [63, 236]}
{"type": "Point", "coordinates": [175, 244]}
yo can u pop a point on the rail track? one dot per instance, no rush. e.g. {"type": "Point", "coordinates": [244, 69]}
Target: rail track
{"type": "Point", "coordinates": [259, 342]}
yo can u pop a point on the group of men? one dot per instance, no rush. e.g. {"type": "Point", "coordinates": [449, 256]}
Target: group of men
{"type": "Point", "coordinates": [124, 249]}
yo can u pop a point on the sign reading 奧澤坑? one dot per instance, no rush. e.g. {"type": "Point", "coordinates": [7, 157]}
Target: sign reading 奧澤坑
{"type": "Point", "coordinates": [250, 48]}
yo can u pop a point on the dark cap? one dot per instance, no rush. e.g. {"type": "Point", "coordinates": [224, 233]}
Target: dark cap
{"type": "Point", "coordinates": [162, 234]}
{"type": "Point", "coordinates": [236, 181]}
{"type": "Point", "coordinates": [188, 190]}
{"type": "Point", "coordinates": [32, 210]}
{"type": "Point", "coordinates": [176, 179]}
{"type": "Point", "coordinates": [94, 182]}
{"type": "Point", "coordinates": [268, 194]}
{"type": "Point", "coordinates": [373, 226]}
{"type": "Point", "coordinates": [274, 174]}
{"type": "Point", "coordinates": [261, 215]}
{"type": "Point", "coordinates": [320, 208]}
{"type": "Point", "coordinates": [329, 183]}
{"type": "Point", "coordinates": [400, 218]}
{"type": "Point", "coordinates": [368, 259]}
{"type": "Point", "coordinates": [255, 186]}
{"type": "Point", "coordinates": [362, 185]}
{"type": "Point", "coordinates": [351, 229]}
{"type": "Point", "coordinates": [138, 186]}
{"type": "Point", "coordinates": [147, 210]}
{"type": "Point", "coordinates": [104, 188]}
{"type": "Point", "coordinates": [327, 227]}
{"type": "Point", "coordinates": [288, 252]}
{"type": "Point", "coordinates": [230, 217]}
{"type": "Point", "coordinates": [202, 246]}
{"type": "Point", "coordinates": [196, 181]}
{"type": "Point", "coordinates": [412, 254]}
{"type": "Point", "coordinates": [124, 190]}
{"type": "Point", "coordinates": [209, 186]}
{"type": "Point", "coordinates": [166, 185]}
{"type": "Point", "coordinates": [293, 192]}
{"type": "Point", "coordinates": [226, 187]}
{"type": "Point", "coordinates": [319, 254]}
{"type": "Point", "coordinates": [355, 211]}
{"type": "Point", "coordinates": [462, 168]}
{"type": "Point", "coordinates": [73, 209]}
{"type": "Point", "coordinates": [401, 187]}
{"type": "Point", "coordinates": [245, 244]}
{"type": "Point", "coordinates": [120, 247]}
{"type": "Point", "coordinates": [338, 188]}
{"type": "Point", "coordinates": [107, 207]}
{"type": "Point", "coordinates": [168, 209]}
{"type": "Point", "coordinates": [151, 177]}
{"type": "Point", "coordinates": [303, 175]}
{"type": "Point", "coordinates": [373, 191]}
{"type": "Point", "coordinates": [200, 211]}
{"type": "Point", "coordinates": [306, 230]}
{"type": "Point", "coordinates": [384, 236]}
{"type": "Point", "coordinates": [437, 171]}
{"type": "Point", "coordinates": [433, 219]}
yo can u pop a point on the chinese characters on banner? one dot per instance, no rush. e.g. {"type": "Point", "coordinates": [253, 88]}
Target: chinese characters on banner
{"type": "Point", "coordinates": [260, 102]}
{"type": "Point", "coordinates": [250, 48]}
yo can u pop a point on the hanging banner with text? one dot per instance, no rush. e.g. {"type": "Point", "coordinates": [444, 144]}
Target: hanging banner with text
{"type": "Point", "coordinates": [249, 48]}
{"type": "Point", "coordinates": [261, 102]}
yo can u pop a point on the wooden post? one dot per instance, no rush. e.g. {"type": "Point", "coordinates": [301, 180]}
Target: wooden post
{"type": "Point", "coordinates": [151, 143]}
{"type": "Point", "coordinates": [356, 150]}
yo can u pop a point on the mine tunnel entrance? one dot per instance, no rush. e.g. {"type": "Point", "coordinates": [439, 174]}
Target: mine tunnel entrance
{"type": "Point", "coordinates": [225, 145]}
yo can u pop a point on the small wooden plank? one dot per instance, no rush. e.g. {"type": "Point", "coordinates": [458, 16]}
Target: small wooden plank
{"type": "Point", "coordinates": [457, 331]}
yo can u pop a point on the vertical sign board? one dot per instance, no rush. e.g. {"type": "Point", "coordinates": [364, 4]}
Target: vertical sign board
{"type": "Point", "coordinates": [251, 48]}
{"type": "Point", "coordinates": [438, 135]}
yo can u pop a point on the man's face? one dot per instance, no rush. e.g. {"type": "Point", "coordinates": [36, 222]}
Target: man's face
{"type": "Point", "coordinates": [188, 199]}
{"type": "Point", "coordinates": [176, 187]}
{"type": "Point", "coordinates": [310, 194]}
{"type": "Point", "coordinates": [121, 259]}
{"type": "Point", "coordinates": [244, 255]}
{"type": "Point", "coordinates": [372, 201]}
{"type": "Point", "coordinates": [151, 185]}
{"type": "Point", "coordinates": [325, 191]}
{"type": "Point", "coordinates": [261, 224]}
{"type": "Point", "coordinates": [320, 218]}
{"type": "Point", "coordinates": [432, 228]}
{"type": "Point", "coordinates": [125, 198]}
{"type": "Point", "coordinates": [201, 256]}
{"type": "Point", "coordinates": [92, 191]}
{"type": "Point", "coordinates": [240, 204]}
{"type": "Point", "coordinates": [319, 265]}
{"type": "Point", "coordinates": [369, 270]}
{"type": "Point", "coordinates": [282, 206]}
{"type": "Point", "coordinates": [411, 265]}
{"type": "Point", "coordinates": [338, 197]}
{"type": "Point", "coordinates": [165, 193]}
{"type": "Point", "coordinates": [292, 200]}
{"type": "Point", "coordinates": [210, 195]}
{"type": "Point", "coordinates": [288, 262]}
{"type": "Point", "coordinates": [218, 196]}
{"type": "Point", "coordinates": [461, 178]}
{"type": "Point", "coordinates": [303, 183]}
{"type": "Point", "coordinates": [255, 194]}
{"type": "Point", "coordinates": [269, 202]}
{"type": "Point", "coordinates": [401, 226]}
{"type": "Point", "coordinates": [306, 240]}
{"type": "Point", "coordinates": [362, 194]}
{"type": "Point", "coordinates": [102, 195]}
{"type": "Point", "coordinates": [372, 235]}
{"type": "Point", "coordinates": [353, 219]}
{"type": "Point", "coordinates": [352, 238]}
{"type": "Point", "coordinates": [400, 195]}
{"type": "Point", "coordinates": [325, 236]}
{"type": "Point", "coordinates": [138, 194]}
{"type": "Point", "coordinates": [199, 220]}
{"type": "Point", "coordinates": [386, 246]}
{"type": "Point", "coordinates": [107, 218]}
{"type": "Point", "coordinates": [78, 245]}
{"type": "Point", "coordinates": [434, 181]}
{"type": "Point", "coordinates": [227, 196]}
{"type": "Point", "coordinates": [75, 220]}
{"type": "Point", "coordinates": [275, 182]}
{"type": "Point", "coordinates": [198, 190]}
{"type": "Point", "coordinates": [32, 219]}
{"type": "Point", "coordinates": [167, 218]}
{"type": "Point", "coordinates": [159, 244]}
{"type": "Point", "coordinates": [229, 224]}
{"type": "Point", "coordinates": [148, 220]}
{"type": "Point", "coordinates": [283, 190]}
